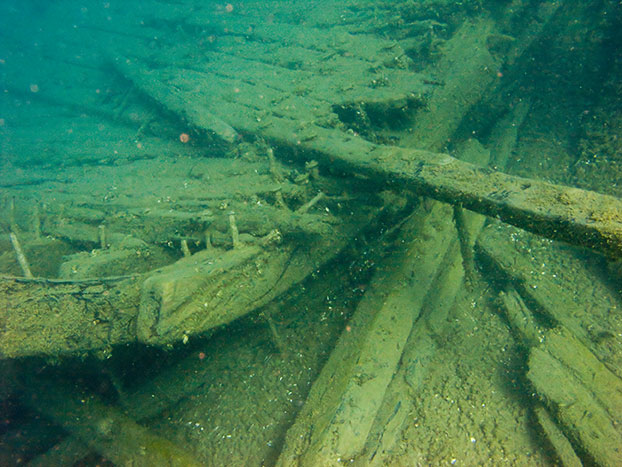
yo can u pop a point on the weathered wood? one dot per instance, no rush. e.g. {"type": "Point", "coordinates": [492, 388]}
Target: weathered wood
{"type": "Point", "coordinates": [559, 212]}
{"type": "Point", "coordinates": [256, 100]}
{"type": "Point", "coordinates": [394, 416]}
{"type": "Point", "coordinates": [471, 66]}
{"type": "Point", "coordinates": [193, 289]}
{"type": "Point", "coordinates": [466, 76]}
{"type": "Point", "coordinates": [21, 257]}
{"type": "Point", "coordinates": [351, 396]}
{"type": "Point", "coordinates": [561, 291]}
{"type": "Point", "coordinates": [556, 437]}
{"type": "Point", "coordinates": [520, 318]}
{"type": "Point", "coordinates": [104, 428]}
{"type": "Point", "coordinates": [160, 226]}
{"type": "Point", "coordinates": [573, 364]}
{"type": "Point", "coordinates": [586, 397]}
{"type": "Point", "coordinates": [558, 359]}
{"type": "Point", "coordinates": [82, 310]}
{"type": "Point", "coordinates": [211, 289]}
{"type": "Point", "coordinates": [130, 256]}
{"type": "Point", "coordinates": [61, 318]}
{"type": "Point", "coordinates": [140, 403]}
{"type": "Point", "coordinates": [42, 317]}
{"type": "Point", "coordinates": [343, 404]}
{"type": "Point", "coordinates": [586, 367]}
{"type": "Point", "coordinates": [195, 294]}
{"type": "Point", "coordinates": [330, 41]}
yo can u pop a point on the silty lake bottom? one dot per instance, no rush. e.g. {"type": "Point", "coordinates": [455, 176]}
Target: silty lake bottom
{"type": "Point", "coordinates": [310, 233]}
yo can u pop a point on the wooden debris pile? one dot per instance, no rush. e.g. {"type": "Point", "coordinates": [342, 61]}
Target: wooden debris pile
{"type": "Point", "coordinates": [336, 112]}
{"type": "Point", "coordinates": [159, 270]}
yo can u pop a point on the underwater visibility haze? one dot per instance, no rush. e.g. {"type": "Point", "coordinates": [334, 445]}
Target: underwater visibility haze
{"type": "Point", "coordinates": [310, 233]}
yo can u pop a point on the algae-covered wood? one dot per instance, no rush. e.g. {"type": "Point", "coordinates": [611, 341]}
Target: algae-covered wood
{"type": "Point", "coordinates": [52, 318]}
{"type": "Point", "coordinates": [105, 429]}
{"type": "Point", "coordinates": [116, 271]}
{"type": "Point", "coordinates": [191, 163]}
{"type": "Point", "coordinates": [565, 213]}
{"type": "Point", "coordinates": [583, 393]}
{"type": "Point", "coordinates": [573, 362]}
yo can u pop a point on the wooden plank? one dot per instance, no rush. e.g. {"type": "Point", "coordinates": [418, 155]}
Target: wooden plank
{"type": "Point", "coordinates": [556, 437]}
{"type": "Point", "coordinates": [368, 47]}
{"type": "Point", "coordinates": [559, 285]}
{"type": "Point", "coordinates": [347, 80]}
{"type": "Point", "coordinates": [559, 212]}
{"type": "Point", "coordinates": [343, 404]}
{"type": "Point", "coordinates": [583, 393]}
{"type": "Point", "coordinates": [471, 68]}
{"type": "Point", "coordinates": [342, 417]}
{"type": "Point", "coordinates": [251, 70]}
{"type": "Point", "coordinates": [104, 428]}
{"type": "Point", "coordinates": [65, 317]}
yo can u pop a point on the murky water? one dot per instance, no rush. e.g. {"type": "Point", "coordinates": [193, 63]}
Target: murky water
{"type": "Point", "coordinates": [310, 233]}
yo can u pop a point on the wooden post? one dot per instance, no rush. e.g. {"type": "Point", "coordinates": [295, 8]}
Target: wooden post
{"type": "Point", "coordinates": [21, 258]}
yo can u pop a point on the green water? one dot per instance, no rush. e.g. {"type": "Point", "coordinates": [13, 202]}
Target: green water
{"type": "Point", "coordinates": [310, 233]}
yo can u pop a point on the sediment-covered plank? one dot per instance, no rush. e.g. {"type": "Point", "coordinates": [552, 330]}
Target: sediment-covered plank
{"type": "Point", "coordinates": [559, 212]}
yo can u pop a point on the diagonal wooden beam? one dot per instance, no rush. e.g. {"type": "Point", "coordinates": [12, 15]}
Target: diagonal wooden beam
{"type": "Point", "coordinates": [569, 214]}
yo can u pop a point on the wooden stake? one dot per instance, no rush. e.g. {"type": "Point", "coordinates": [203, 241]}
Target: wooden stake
{"type": "Point", "coordinates": [21, 258]}
{"type": "Point", "coordinates": [274, 168]}
{"type": "Point", "coordinates": [466, 246]}
{"type": "Point", "coordinates": [12, 213]}
{"type": "Point", "coordinates": [235, 234]}
{"type": "Point", "coordinates": [103, 243]}
{"type": "Point", "coordinates": [184, 248]}
{"type": "Point", "coordinates": [305, 207]}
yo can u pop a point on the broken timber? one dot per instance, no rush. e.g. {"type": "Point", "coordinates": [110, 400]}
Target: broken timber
{"type": "Point", "coordinates": [104, 428]}
{"type": "Point", "coordinates": [559, 212]}
{"type": "Point", "coordinates": [574, 358]}
{"type": "Point", "coordinates": [361, 386]}
{"type": "Point", "coordinates": [210, 288]}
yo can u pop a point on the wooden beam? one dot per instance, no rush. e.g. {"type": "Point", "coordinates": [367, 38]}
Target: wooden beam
{"type": "Point", "coordinates": [576, 216]}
